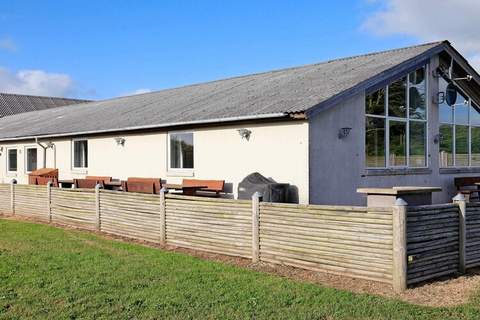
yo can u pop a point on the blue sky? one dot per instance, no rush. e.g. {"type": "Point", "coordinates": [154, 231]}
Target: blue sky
{"type": "Point", "coordinates": [103, 49]}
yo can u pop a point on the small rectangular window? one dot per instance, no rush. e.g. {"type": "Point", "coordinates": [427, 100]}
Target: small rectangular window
{"type": "Point", "coordinates": [475, 145]}
{"type": "Point", "coordinates": [461, 146]}
{"type": "Point", "coordinates": [375, 142]}
{"type": "Point", "coordinates": [397, 99]}
{"type": "Point", "coordinates": [181, 150]}
{"type": "Point", "coordinates": [12, 160]}
{"type": "Point", "coordinates": [446, 145]}
{"type": "Point", "coordinates": [31, 159]}
{"type": "Point", "coordinates": [375, 103]}
{"type": "Point", "coordinates": [418, 144]}
{"type": "Point", "coordinates": [80, 154]}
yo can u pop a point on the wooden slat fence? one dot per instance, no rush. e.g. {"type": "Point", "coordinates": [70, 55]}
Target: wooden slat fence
{"type": "Point", "coordinates": [432, 241]}
{"type": "Point", "coordinates": [74, 207]}
{"type": "Point", "coordinates": [132, 215]}
{"type": "Point", "coordinates": [350, 241]}
{"type": "Point", "coordinates": [209, 224]}
{"type": "Point", "coordinates": [5, 198]}
{"type": "Point", "coordinates": [472, 235]}
{"type": "Point", "coordinates": [31, 201]}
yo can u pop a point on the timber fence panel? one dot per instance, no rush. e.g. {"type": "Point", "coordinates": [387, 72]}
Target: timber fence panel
{"type": "Point", "coordinates": [31, 201]}
{"type": "Point", "coordinates": [5, 198]}
{"type": "Point", "coordinates": [351, 241]}
{"type": "Point", "coordinates": [209, 224]}
{"type": "Point", "coordinates": [472, 235]}
{"type": "Point", "coordinates": [74, 207]}
{"type": "Point", "coordinates": [131, 215]}
{"type": "Point", "coordinates": [432, 241]}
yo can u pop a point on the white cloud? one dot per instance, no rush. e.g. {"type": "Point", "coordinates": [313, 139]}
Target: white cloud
{"type": "Point", "coordinates": [138, 91]}
{"type": "Point", "coordinates": [430, 20]}
{"type": "Point", "coordinates": [36, 82]}
{"type": "Point", "coordinates": [7, 44]}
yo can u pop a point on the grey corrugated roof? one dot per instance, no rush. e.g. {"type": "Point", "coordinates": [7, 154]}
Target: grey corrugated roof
{"type": "Point", "coordinates": [11, 104]}
{"type": "Point", "coordinates": [268, 94]}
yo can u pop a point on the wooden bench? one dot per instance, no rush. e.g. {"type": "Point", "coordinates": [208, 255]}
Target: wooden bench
{"type": "Point", "coordinates": [214, 187]}
{"type": "Point", "coordinates": [142, 185]}
{"type": "Point", "coordinates": [42, 181]}
{"type": "Point", "coordinates": [468, 187]}
{"type": "Point", "coordinates": [87, 183]}
{"type": "Point", "coordinates": [104, 179]}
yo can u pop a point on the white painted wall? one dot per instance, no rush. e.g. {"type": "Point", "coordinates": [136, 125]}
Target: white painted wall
{"type": "Point", "coordinates": [277, 150]}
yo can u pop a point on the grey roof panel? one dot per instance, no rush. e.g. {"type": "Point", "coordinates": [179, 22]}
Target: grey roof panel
{"type": "Point", "coordinates": [271, 93]}
{"type": "Point", "coordinates": [11, 104]}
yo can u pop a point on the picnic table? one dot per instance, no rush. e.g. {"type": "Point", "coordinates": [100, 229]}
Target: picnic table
{"type": "Point", "coordinates": [386, 197]}
{"type": "Point", "coordinates": [188, 190]}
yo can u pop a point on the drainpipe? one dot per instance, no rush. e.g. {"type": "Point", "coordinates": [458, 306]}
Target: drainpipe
{"type": "Point", "coordinates": [44, 152]}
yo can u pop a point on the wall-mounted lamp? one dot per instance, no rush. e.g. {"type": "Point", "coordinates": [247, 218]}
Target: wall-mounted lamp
{"type": "Point", "coordinates": [344, 132]}
{"type": "Point", "coordinates": [245, 133]}
{"type": "Point", "coordinates": [468, 77]}
{"type": "Point", "coordinates": [120, 141]}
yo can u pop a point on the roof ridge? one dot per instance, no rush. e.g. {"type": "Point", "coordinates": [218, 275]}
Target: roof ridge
{"type": "Point", "coordinates": [287, 68]}
{"type": "Point", "coordinates": [39, 96]}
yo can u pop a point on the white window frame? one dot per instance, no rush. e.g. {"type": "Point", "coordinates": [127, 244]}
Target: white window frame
{"type": "Point", "coordinates": [186, 172]}
{"type": "Point", "coordinates": [11, 173]}
{"type": "Point", "coordinates": [78, 169]}
{"type": "Point", "coordinates": [407, 119]}
{"type": "Point", "coordinates": [26, 148]}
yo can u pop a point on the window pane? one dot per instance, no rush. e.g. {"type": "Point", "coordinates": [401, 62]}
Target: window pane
{"type": "Point", "coordinates": [181, 150]}
{"type": "Point", "coordinates": [397, 98]}
{"type": "Point", "coordinates": [475, 114]}
{"type": "Point", "coordinates": [398, 143]}
{"type": "Point", "coordinates": [461, 114]}
{"type": "Point", "coordinates": [446, 112]}
{"type": "Point", "coordinates": [461, 146]}
{"type": "Point", "coordinates": [446, 145]}
{"type": "Point", "coordinates": [31, 159]}
{"type": "Point", "coordinates": [375, 103]}
{"type": "Point", "coordinates": [80, 154]}
{"type": "Point", "coordinates": [475, 146]}
{"type": "Point", "coordinates": [375, 142]}
{"type": "Point", "coordinates": [12, 160]}
{"type": "Point", "coordinates": [417, 94]}
{"type": "Point", "coordinates": [417, 144]}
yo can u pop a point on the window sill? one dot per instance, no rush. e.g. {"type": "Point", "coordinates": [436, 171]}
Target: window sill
{"type": "Point", "coordinates": [180, 173]}
{"type": "Point", "coordinates": [459, 170]}
{"type": "Point", "coordinates": [396, 172]}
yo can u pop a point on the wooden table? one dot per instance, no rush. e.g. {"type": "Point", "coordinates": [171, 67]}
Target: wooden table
{"type": "Point", "coordinates": [189, 190]}
{"type": "Point", "coordinates": [386, 197]}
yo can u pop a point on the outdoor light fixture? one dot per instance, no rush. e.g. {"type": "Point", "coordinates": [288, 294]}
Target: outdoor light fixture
{"type": "Point", "coordinates": [468, 77]}
{"type": "Point", "coordinates": [120, 141]}
{"type": "Point", "coordinates": [344, 132]}
{"type": "Point", "coordinates": [245, 133]}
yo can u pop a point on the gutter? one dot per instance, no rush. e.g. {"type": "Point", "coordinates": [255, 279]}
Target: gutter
{"type": "Point", "coordinates": [44, 152]}
{"type": "Point", "coordinates": [174, 124]}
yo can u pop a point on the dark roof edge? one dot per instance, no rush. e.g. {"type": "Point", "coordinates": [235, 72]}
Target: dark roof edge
{"type": "Point", "coordinates": [43, 97]}
{"type": "Point", "coordinates": [381, 77]}
{"type": "Point", "coordinates": [149, 127]}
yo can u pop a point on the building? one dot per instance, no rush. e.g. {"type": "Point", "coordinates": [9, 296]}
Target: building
{"type": "Point", "coordinates": [376, 120]}
{"type": "Point", "coordinates": [11, 104]}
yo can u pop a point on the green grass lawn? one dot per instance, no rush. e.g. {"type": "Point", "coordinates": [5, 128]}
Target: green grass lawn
{"type": "Point", "coordinates": [52, 273]}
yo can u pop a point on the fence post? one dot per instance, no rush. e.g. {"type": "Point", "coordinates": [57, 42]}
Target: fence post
{"type": "Point", "coordinates": [256, 198]}
{"type": "Point", "coordinates": [400, 245]}
{"type": "Point", "coordinates": [163, 215]}
{"type": "Point", "coordinates": [12, 195]}
{"type": "Point", "coordinates": [460, 200]}
{"type": "Point", "coordinates": [97, 206]}
{"type": "Point", "coordinates": [49, 201]}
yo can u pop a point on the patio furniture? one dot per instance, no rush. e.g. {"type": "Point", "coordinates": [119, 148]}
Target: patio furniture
{"type": "Point", "coordinates": [65, 183]}
{"type": "Point", "coordinates": [213, 187]}
{"type": "Point", "coordinates": [86, 183]}
{"type": "Point", "coordinates": [468, 186]}
{"type": "Point", "coordinates": [386, 197]}
{"type": "Point", "coordinates": [43, 181]}
{"type": "Point", "coordinates": [99, 178]}
{"type": "Point", "coordinates": [143, 185]}
{"type": "Point", "coordinates": [44, 173]}
{"type": "Point", "coordinates": [190, 190]}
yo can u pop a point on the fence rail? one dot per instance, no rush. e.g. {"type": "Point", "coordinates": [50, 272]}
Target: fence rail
{"type": "Point", "coordinates": [399, 245]}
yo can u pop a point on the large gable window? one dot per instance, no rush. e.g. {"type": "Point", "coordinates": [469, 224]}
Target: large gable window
{"type": "Point", "coordinates": [396, 123]}
{"type": "Point", "coordinates": [181, 150]}
{"type": "Point", "coordinates": [459, 130]}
